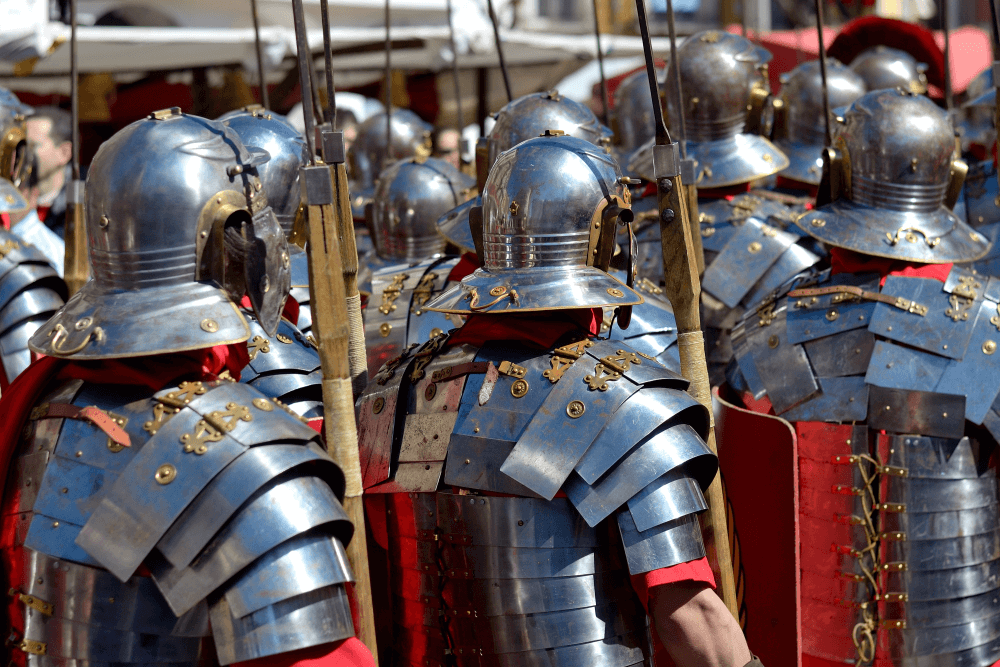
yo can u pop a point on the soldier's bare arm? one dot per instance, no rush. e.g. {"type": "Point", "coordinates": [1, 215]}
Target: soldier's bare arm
{"type": "Point", "coordinates": [695, 626]}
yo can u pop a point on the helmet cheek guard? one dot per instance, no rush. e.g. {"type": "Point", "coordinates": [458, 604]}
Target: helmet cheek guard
{"type": "Point", "coordinates": [14, 163]}
{"type": "Point", "coordinates": [267, 268]}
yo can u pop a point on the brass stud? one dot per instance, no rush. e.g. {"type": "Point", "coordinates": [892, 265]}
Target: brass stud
{"type": "Point", "coordinates": [519, 388]}
{"type": "Point", "coordinates": [767, 157]}
{"type": "Point", "coordinates": [209, 325]}
{"type": "Point", "coordinates": [475, 430]}
{"type": "Point", "coordinates": [430, 392]}
{"type": "Point", "coordinates": [615, 292]}
{"type": "Point", "coordinates": [754, 248]}
{"type": "Point", "coordinates": [499, 290]}
{"type": "Point", "coordinates": [385, 329]}
{"type": "Point", "coordinates": [575, 409]}
{"type": "Point", "coordinates": [817, 222]}
{"type": "Point", "coordinates": [83, 323]}
{"type": "Point", "coordinates": [103, 222]}
{"type": "Point", "coordinates": [435, 332]}
{"type": "Point", "coordinates": [55, 524]}
{"type": "Point", "coordinates": [378, 405]}
{"type": "Point", "coordinates": [165, 474]}
{"type": "Point", "coordinates": [773, 342]}
{"type": "Point", "coordinates": [263, 404]}
{"type": "Point", "coordinates": [832, 314]}
{"type": "Point", "coordinates": [989, 347]}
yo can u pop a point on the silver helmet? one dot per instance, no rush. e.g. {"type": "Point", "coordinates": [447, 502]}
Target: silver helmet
{"type": "Point", "coordinates": [799, 129]}
{"type": "Point", "coordinates": [531, 115]}
{"type": "Point", "coordinates": [14, 159]}
{"type": "Point", "coordinates": [410, 196]}
{"type": "Point", "coordinates": [369, 154]}
{"type": "Point", "coordinates": [725, 87]}
{"type": "Point", "coordinates": [256, 110]}
{"type": "Point", "coordinates": [551, 208]}
{"type": "Point", "coordinates": [525, 118]}
{"type": "Point", "coordinates": [178, 229]}
{"type": "Point", "coordinates": [885, 67]}
{"type": "Point", "coordinates": [632, 114]}
{"type": "Point", "coordinates": [280, 174]}
{"type": "Point", "coordinates": [898, 170]}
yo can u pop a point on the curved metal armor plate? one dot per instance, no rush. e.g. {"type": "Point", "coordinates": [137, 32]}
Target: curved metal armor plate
{"type": "Point", "coordinates": [370, 154]}
{"type": "Point", "coordinates": [285, 366]}
{"type": "Point", "coordinates": [531, 579]}
{"type": "Point", "coordinates": [244, 527]}
{"type": "Point", "coordinates": [751, 246]}
{"type": "Point", "coordinates": [31, 291]}
{"type": "Point", "coordinates": [653, 328]}
{"type": "Point", "coordinates": [975, 119]}
{"type": "Point", "coordinates": [395, 317]}
{"type": "Point", "coordinates": [883, 67]}
{"type": "Point", "coordinates": [911, 364]}
{"type": "Point", "coordinates": [980, 192]}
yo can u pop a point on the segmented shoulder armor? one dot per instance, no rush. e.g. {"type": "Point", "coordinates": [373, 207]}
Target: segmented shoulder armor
{"type": "Point", "coordinates": [31, 291]}
{"type": "Point", "coordinates": [285, 367]}
{"type": "Point", "coordinates": [224, 496]}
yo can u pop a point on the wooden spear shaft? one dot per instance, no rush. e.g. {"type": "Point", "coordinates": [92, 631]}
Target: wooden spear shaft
{"type": "Point", "coordinates": [76, 268]}
{"type": "Point", "coordinates": [683, 288]}
{"type": "Point", "coordinates": [332, 334]}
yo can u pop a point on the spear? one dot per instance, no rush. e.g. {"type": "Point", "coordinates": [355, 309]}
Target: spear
{"type": "Point", "coordinates": [496, 37]}
{"type": "Point", "coordinates": [334, 155]}
{"type": "Point", "coordinates": [600, 66]}
{"type": "Point", "coordinates": [682, 286]}
{"type": "Point", "coordinates": [946, 28]}
{"type": "Point", "coordinates": [460, 117]}
{"type": "Point", "coordinates": [332, 333]}
{"type": "Point", "coordinates": [76, 268]}
{"type": "Point", "coordinates": [388, 90]}
{"type": "Point", "coordinates": [260, 56]}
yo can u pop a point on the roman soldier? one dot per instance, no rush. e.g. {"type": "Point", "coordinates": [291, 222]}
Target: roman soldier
{"type": "Point", "coordinates": [284, 364]}
{"type": "Point", "coordinates": [537, 487]}
{"type": "Point", "coordinates": [748, 247]}
{"type": "Point", "coordinates": [884, 365]}
{"type": "Point", "coordinates": [412, 262]}
{"type": "Point", "coordinates": [525, 118]}
{"type": "Point", "coordinates": [31, 289]}
{"type": "Point", "coordinates": [155, 512]}
{"type": "Point", "coordinates": [885, 67]}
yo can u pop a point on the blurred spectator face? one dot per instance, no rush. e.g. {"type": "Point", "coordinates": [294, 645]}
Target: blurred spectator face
{"type": "Point", "coordinates": [447, 147]}
{"type": "Point", "coordinates": [52, 154]}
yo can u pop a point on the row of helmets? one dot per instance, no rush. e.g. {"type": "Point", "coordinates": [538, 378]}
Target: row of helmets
{"type": "Point", "coordinates": [898, 149]}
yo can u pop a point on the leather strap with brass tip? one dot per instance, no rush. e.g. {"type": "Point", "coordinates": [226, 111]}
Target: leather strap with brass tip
{"type": "Point", "coordinates": [92, 414]}
{"type": "Point", "coordinates": [895, 301]}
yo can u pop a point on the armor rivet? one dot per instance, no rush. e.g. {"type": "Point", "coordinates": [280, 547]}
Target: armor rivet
{"type": "Point", "coordinates": [832, 314]}
{"type": "Point", "coordinates": [818, 222]}
{"type": "Point", "coordinates": [435, 332]}
{"type": "Point", "coordinates": [385, 329]}
{"type": "Point", "coordinates": [754, 248]}
{"type": "Point", "coordinates": [861, 318]}
{"type": "Point", "coordinates": [55, 524]}
{"type": "Point", "coordinates": [378, 405]}
{"type": "Point", "coordinates": [79, 454]}
{"type": "Point", "coordinates": [519, 388]}
{"type": "Point", "coordinates": [262, 404]}
{"type": "Point", "coordinates": [889, 328]}
{"type": "Point", "coordinates": [83, 323]}
{"type": "Point", "coordinates": [944, 414]}
{"type": "Point", "coordinates": [498, 291]}
{"type": "Point", "coordinates": [265, 284]}
{"type": "Point", "coordinates": [575, 409]}
{"type": "Point", "coordinates": [467, 461]}
{"type": "Point", "coordinates": [218, 200]}
{"type": "Point", "coordinates": [773, 342]}
{"type": "Point", "coordinates": [475, 430]}
{"type": "Point", "coordinates": [430, 392]}
{"type": "Point", "coordinates": [850, 400]}
{"type": "Point", "coordinates": [285, 261]}
{"type": "Point", "coordinates": [40, 580]}
{"type": "Point", "coordinates": [103, 222]}
{"type": "Point", "coordinates": [887, 408]}
{"type": "Point", "coordinates": [165, 474]}
{"type": "Point", "coordinates": [767, 157]}
{"type": "Point", "coordinates": [989, 347]}
{"type": "Point", "coordinates": [65, 489]}
{"type": "Point", "coordinates": [211, 326]}
{"type": "Point", "coordinates": [615, 292]}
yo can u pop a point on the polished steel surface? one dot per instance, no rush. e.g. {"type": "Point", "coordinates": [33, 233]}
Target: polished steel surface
{"type": "Point", "coordinates": [285, 366]}
{"type": "Point", "coordinates": [720, 163]}
{"type": "Point", "coordinates": [288, 151]}
{"type": "Point", "coordinates": [454, 225]}
{"type": "Point", "coordinates": [900, 147]}
{"type": "Point", "coordinates": [319, 617]}
{"type": "Point", "coordinates": [410, 196]}
{"type": "Point", "coordinates": [542, 238]}
{"type": "Point", "coordinates": [369, 153]}
{"type": "Point", "coordinates": [273, 516]}
{"type": "Point", "coordinates": [157, 198]}
{"type": "Point", "coordinates": [803, 133]}
{"type": "Point", "coordinates": [884, 67]}
{"type": "Point", "coordinates": [530, 116]}
{"type": "Point", "coordinates": [668, 544]}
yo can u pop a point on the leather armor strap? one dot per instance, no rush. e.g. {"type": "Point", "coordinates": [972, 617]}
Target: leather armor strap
{"type": "Point", "coordinates": [92, 414]}
{"type": "Point", "coordinates": [895, 301]}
